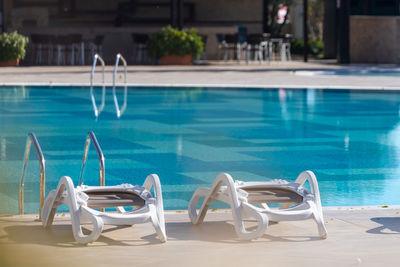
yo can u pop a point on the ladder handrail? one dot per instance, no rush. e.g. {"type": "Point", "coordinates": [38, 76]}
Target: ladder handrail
{"type": "Point", "coordinates": [92, 137]}
{"type": "Point", "coordinates": [97, 57]}
{"type": "Point", "coordinates": [119, 110]}
{"type": "Point", "coordinates": [42, 163]}
{"type": "Point", "coordinates": [97, 110]}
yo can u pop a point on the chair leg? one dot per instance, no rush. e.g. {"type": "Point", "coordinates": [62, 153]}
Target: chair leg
{"type": "Point", "coordinates": [248, 51]}
{"type": "Point", "coordinates": [319, 219]}
{"type": "Point", "coordinates": [82, 53]}
{"type": "Point", "coordinates": [237, 208]}
{"type": "Point", "coordinates": [39, 55]}
{"type": "Point", "coordinates": [316, 203]}
{"type": "Point", "coordinates": [226, 51]}
{"type": "Point", "coordinates": [219, 52]}
{"type": "Point", "coordinates": [238, 51]}
{"type": "Point", "coordinates": [283, 52]}
{"type": "Point", "coordinates": [158, 225]}
{"type": "Point", "coordinates": [76, 211]}
{"type": "Point", "coordinates": [260, 54]}
{"type": "Point", "coordinates": [72, 54]}
{"type": "Point", "coordinates": [270, 52]}
{"type": "Point", "coordinates": [139, 55]}
{"type": "Point", "coordinates": [289, 55]}
{"type": "Point", "coordinates": [157, 214]}
{"type": "Point", "coordinates": [58, 54]}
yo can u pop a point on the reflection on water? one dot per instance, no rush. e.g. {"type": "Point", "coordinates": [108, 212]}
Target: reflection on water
{"type": "Point", "coordinates": [14, 94]}
{"type": "Point", "coordinates": [394, 142]}
{"type": "Point", "coordinates": [121, 110]}
{"type": "Point", "coordinates": [311, 99]}
{"type": "Point", "coordinates": [98, 109]}
{"type": "Point", "coordinates": [3, 148]}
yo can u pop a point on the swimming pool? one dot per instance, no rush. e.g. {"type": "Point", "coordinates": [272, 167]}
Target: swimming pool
{"type": "Point", "coordinates": [350, 139]}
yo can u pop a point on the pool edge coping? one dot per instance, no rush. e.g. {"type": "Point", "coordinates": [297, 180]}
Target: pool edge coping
{"type": "Point", "coordinates": [219, 85]}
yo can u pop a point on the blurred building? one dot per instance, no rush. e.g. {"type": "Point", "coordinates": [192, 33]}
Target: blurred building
{"type": "Point", "coordinates": [116, 20]}
{"type": "Point", "coordinates": [362, 31]}
{"type": "Point", "coordinates": [354, 30]}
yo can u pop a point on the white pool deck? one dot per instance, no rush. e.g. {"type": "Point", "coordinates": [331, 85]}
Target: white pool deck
{"type": "Point", "coordinates": [358, 236]}
{"type": "Point", "coordinates": [277, 74]}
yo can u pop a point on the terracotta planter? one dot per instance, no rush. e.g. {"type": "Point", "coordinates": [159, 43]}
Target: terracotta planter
{"type": "Point", "coordinates": [10, 63]}
{"type": "Point", "coordinates": [176, 60]}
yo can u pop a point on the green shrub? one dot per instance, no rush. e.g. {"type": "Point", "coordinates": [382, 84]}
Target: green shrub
{"type": "Point", "coordinates": [170, 41]}
{"type": "Point", "coordinates": [12, 46]}
{"type": "Point", "coordinates": [315, 47]}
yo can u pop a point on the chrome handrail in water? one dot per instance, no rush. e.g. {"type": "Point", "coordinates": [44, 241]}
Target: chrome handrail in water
{"type": "Point", "coordinates": [119, 110]}
{"type": "Point", "coordinates": [97, 110]}
{"type": "Point", "coordinates": [91, 136]}
{"type": "Point", "coordinates": [42, 163]}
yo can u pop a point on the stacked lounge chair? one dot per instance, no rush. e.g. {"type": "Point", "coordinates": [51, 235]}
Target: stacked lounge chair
{"type": "Point", "coordinates": [251, 199]}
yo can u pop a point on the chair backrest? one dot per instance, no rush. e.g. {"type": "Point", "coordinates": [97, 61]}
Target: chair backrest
{"type": "Point", "coordinates": [140, 38]}
{"type": "Point", "coordinates": [231, 38]}
{"type": "Point", "coordinates": [287, 37]}
{"type": "Point", "coordinates": [242, 34]}
{"type": "Point", "coordinates": [98, 40]}
{"type": "Point", "coordinates": [255, 38]}
{"type": "Point", "coordinates": [220, 37]}
{"type": "Point", "coordinates": [266, 36]}
{"type": "Point", "coordinates": [204, 39]}
{"type": "Point", "coordinates": [75, 38]}
{"type": "Point", "coordinates": [40, 38]}
{"type": "Point", "coordinates": [62, 40]}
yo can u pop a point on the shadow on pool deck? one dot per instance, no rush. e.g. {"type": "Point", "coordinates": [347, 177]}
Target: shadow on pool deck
{"type": "Point", "coordinates": [60, 235]}
{"type": "Point", "coordinates": [355, 237]}
{"type": "Point", "coordinates": [224, 232]}
{"type": "Point", "coordinates": [390, 225]}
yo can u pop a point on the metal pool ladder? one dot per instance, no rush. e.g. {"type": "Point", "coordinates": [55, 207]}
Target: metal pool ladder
{"type": "Point", "coordinates": [42, 164]}
{"type": "Point", "coordinates": [32, 139]}
{"type": "Point", "coordinates": [102, 174]}
{"type": "Point", "coordinates": [97, 109]}
{"type": "Point", "coordinates": [119, 110]}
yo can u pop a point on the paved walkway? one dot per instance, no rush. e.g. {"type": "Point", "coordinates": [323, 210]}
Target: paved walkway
{"type": "Point", "coordinates": [277, 74]}
{"type": "Point", "coordinates": [357, 237]}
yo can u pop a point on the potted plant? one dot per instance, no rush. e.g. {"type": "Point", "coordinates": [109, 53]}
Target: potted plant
{"type": "Point", "coordinates": [175, 47]}
{"type": "Point", "coordinates": [12, 48]}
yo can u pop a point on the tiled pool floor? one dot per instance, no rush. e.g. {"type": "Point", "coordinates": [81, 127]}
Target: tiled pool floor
{"type": "Point", "coordinates": [350, 139]}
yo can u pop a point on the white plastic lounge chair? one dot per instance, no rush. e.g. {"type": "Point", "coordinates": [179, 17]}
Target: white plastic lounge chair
{"type": "Point", "coordinates": [84, 200]}
{"type": "Point", "coordinates": [87, 203]}
{"type": "Point", "coordinates": [244, 196]}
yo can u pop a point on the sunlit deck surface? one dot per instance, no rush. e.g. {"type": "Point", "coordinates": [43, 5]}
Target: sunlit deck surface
{"type": "Point", "coordinates": [357, 237]}
{"type": "Point", "coordinates": [275, 74]}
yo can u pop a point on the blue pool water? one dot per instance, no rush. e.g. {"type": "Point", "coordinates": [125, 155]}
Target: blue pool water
{"type": "Point", "coordinates": [350, 139]}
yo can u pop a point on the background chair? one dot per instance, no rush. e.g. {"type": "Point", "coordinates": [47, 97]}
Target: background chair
{"type": "Point", "coordinates": [140, 47]}
{"type": "Point", "coordinates": [285, 49]}
{"type": "Point", "coordinates": [95, 46]}
{"type": "Point", "coordinates": [255, 47]}
{"type": "Point", "coordinates": [42, 48]}
{"type": "Point", "coordinates": [221, 45]}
